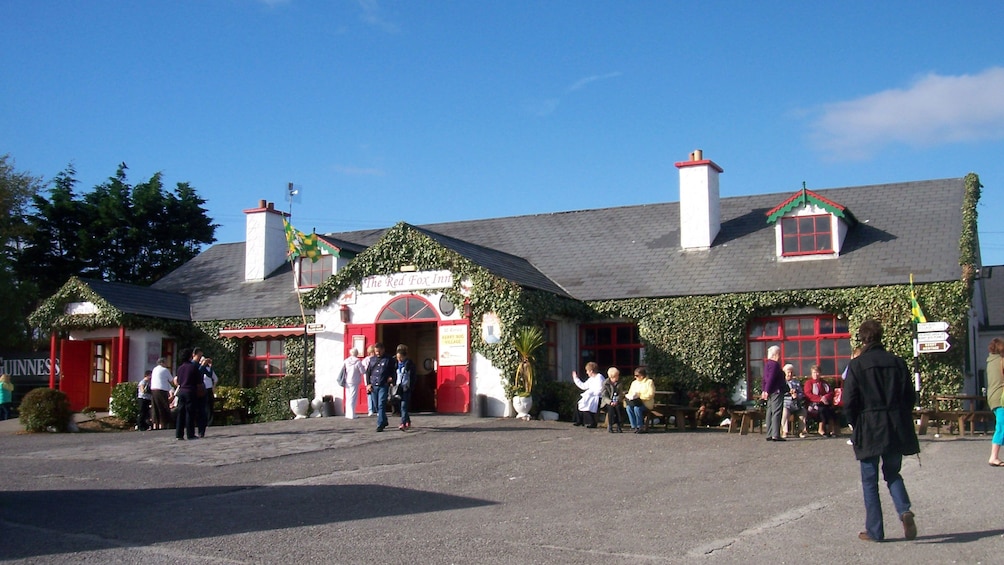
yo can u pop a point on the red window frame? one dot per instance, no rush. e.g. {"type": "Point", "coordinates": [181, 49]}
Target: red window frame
{"type": "Point", "coordinates": [263, 359]}
{"type": "Point", "coordinates": [611, 345]}
{"type": "Point", "coordinates": [313, 273]}
{"type": "Point", "coordinates": [806, 235]}
{"type": "Point", "coordinates": [805, 340]}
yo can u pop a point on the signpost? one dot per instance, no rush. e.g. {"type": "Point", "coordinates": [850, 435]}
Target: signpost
{"type": "Point", "coordinates": [933, 346]}
{"type": "Point", "coordinates": [932, 327]}
{"type": "Point", "coordinates": [927, 337]}
{"type": "Point", "coordinates": [314, 329]}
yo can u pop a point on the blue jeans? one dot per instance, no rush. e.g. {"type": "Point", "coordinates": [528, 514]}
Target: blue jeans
{"type": "Point", "coordinates": [405, 401]}
{"type": "Point", "coordinates": [372, 399]}
{"type": "Point", "coordinates": [897, 489]}
{"type": "Point", "coordinates": [636, 416]}
{"type": "Point", "coordinates": [381, 393]}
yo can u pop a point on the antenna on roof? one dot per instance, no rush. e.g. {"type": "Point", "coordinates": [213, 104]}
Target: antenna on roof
{"type": "Point", "coordinates": [805, 196]}
{"type": "Point", "coordinates": [293, 195]}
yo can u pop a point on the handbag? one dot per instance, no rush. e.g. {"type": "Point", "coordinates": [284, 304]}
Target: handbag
{"type": "Point", "coordinates": [340, 381]}
{"type": "Point", "coordinates": [200, 389]}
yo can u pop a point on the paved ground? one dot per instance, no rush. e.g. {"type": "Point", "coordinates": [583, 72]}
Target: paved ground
{"type": "Point", "coordinates": [468, 490]}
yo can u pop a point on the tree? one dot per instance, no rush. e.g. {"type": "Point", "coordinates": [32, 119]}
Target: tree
{"type": "Point", "coordinates": [16, 190]}
{"type": "Point", "coordinates": [118, 232]}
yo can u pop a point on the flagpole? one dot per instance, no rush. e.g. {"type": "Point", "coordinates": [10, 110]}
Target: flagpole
{"type": "Point", "coordinates": [914, 310]}
{"type": "Point", "coordinates": [299, 297]}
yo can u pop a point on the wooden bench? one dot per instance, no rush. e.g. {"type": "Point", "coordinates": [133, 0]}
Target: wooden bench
{"type": "Point", "coordinates": [923, 417]}
{"type": "Point", "coordinates": [744, 421]}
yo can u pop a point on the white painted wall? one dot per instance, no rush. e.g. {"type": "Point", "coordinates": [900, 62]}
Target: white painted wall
{"type": "Point", "coordinates": [144, 346]}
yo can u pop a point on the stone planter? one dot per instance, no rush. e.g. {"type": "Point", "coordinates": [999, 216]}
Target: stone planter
{"type": "Point", "coordinates": [522, 404]}
{"type": "Point", "coordinates": [300, 407]}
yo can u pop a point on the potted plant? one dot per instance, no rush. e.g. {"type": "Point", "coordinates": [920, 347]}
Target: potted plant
{"type": "Point", "coordinates": [526, 341]}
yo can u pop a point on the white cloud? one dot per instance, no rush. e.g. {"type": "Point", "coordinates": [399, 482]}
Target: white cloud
{"type": "Point", "coordinates": [373, 15]}
{"type": "Point", "coordinates": [935, 110]}
{"type": "Point", "coordinates": [582, 82]}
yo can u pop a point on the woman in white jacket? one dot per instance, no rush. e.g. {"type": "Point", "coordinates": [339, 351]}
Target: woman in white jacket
{"type": "Point", "coordinates": [353, 376]}
{"type": "Point", "coordinates": [592, 391]}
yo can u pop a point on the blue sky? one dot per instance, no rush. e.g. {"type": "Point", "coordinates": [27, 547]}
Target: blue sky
{"type": "Point", "coordinates": [382, 111]}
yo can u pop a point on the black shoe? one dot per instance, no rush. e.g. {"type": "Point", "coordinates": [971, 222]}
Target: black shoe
{"type": "Point", "coordinates": [576, 424]}
{"type": "Point", "coordinates": [770, 439]}
{"type": "Point", "coordinates": [591, 426]}
{"type": "Point", "coordinates": [380, 428]}
{"type": "Point", "coordinates": [780, 439]}
{"type": "Point", "coordinates": [620, 430]}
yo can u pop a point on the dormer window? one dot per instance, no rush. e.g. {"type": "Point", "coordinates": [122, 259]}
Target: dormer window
{"type": "Point", "coordinates": [809, 226]}
{"type": "Point", "coordinates": [806, 235]}
{"type": "Point", "coordinates": [313, 273]}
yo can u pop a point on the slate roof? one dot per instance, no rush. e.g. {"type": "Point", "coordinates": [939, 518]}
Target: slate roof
{"type": "Point", "coordinates": [214, 283]}
{"type": "Point", "coordinates": [140, 300]}
{"type": "Point", "coordinates": [634, 251]}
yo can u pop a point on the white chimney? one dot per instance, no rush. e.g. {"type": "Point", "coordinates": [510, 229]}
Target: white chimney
{"type": "Point", "coordinates": [264, 241]}
{"type": "Point", "coordinates": [700, 212]}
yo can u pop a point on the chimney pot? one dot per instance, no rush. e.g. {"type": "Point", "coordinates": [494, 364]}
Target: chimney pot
{"type": "Point", "coordinates": [261, 203]}
{"type": "Point", "coordinates": [697, 155]}
{"type": "Point", "coordinates": [271, 206]}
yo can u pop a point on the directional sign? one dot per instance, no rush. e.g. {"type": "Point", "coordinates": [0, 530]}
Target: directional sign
{"type": "Point", "coordinates": [933, 347]}
{"type": "Point", "coordinates": [932, 327]}
{"type": "Point", "coordinates": [927, 337]}
{"type": "Point", "coordinates": [314, 328]}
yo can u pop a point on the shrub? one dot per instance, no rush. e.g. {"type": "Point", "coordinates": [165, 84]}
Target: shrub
{"type": "Point", "coordinates": [125, 404]}
{"type": "Point", "coordinates": [45, 408]}
{"type": "Point", "coordinates": [234, 403]}
{"type": "Point", "coordinates": [272, 396]}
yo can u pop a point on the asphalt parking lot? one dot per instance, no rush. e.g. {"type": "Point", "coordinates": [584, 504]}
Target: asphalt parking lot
{"type": "Point", "coordinates": [459, 489]}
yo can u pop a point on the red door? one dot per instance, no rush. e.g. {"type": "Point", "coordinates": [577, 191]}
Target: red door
{"type": "Point", "coordinates": [453, 382]}
{"type": "Point", "coordinates": [75, 368]}
{"type": "Point", "coordinates": [352, 334]}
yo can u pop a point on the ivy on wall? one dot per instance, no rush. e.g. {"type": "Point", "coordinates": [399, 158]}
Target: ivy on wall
{"type": "Point", "coordinates": [514, 304]}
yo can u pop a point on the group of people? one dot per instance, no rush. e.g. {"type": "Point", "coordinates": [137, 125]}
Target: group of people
{"type": "Point", "coordinates": [815, 397]}
{"type": "Point", "coordinates": [184, 400]}
{"type": "Point", "coordinates": [608, 393]}
{"type": "Point", "coordinates": [385, 378]}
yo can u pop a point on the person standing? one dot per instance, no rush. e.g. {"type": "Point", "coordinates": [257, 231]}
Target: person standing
{"type": "Point", "coordinates": [371, 401]}
{"type": "Point", "coordinates": [878, 400]}
{"type": "Point", "coordinates": [144, 398]}
{"type": "Point", "coordinates": [160, 389]}
{"type": "Point", "coordinates": [995, 386]}
{"type": "Point", "coordinates": [589, 400]}
{"type": "Point", "coordinates": [353, 367]}
{"type": "Point", "coordinates": [189, 374]}
{"type": "Point", "coordinates": [406, 379]}
{"type": "Point", "coordinates": [774, 390]}
{"type": "Point", "coordinates": [6, 396]}
{"type": "Point", "coordinates": [380, 375]}
{"type": "Point", "coordinates": [210, 380]}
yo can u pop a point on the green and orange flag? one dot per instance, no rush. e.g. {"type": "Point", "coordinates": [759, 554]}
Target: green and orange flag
{"type": "Point", "coordinates": [915, 311]}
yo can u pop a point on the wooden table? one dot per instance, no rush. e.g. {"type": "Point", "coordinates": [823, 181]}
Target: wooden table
{"type": "Point", "coordinates": [746, 420]}
{"type": "Point", "coordinates": [976, 411]}
{"type": "Point", "coordinates": [666, 407]}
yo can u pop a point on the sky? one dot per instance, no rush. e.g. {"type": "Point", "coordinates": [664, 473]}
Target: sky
{"type": "Point", "coordinates": [382, 111]}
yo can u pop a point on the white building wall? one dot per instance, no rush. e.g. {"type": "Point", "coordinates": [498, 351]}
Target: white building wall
{"type": "Point", "coordinates": [330, 352]}
{"type": "Point", "coordinates": [144, 347]}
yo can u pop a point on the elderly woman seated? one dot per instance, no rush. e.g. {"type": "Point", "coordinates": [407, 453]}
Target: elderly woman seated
{"type": "Point", "coordinates": [640, 397]}
{"type": "Point", "coordinates": [794, 404]}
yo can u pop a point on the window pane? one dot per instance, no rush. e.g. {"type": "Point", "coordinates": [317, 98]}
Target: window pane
{"type": "Point", "coordinates": [588, 336]}
{"type": "Point", "coordinates": [827, 367]}
{"type": "Point", "coordinates": [756, 329]}
{"type": "Point", "coordinates": [275, 347]}
{"type": "Point", "coordinates": [791, 327]}
{"type": "Point", "coordinates": [790, 350]}
{"type": "Point", "coordinates": [604, 336]}
{"type": "Point", "coordinates": [805, 368]}
{"type": "Point", "coordinates": [841, 327]}
{"type": "Point", "coordinates": [789, 244]}
{"type": "Point", "coordinates": [806, 242]}
{"type": "Point", "coordinates": [624, 334]}
{"type": "Point", "coordinates": [826, 325]}
{"type": "Point", "coordinates": [807, 326]}
{"type": "Point", "coordinates": [809, 348]}
{"type": "Point", "coordinates": [823, 243]}
{"type": "Point", "coordinates": [758, 350]}
{"type": "Point", "coordinates": [772, 328]}
{"type": "Point", "coordinates": [843, 348]}
{"type": "Point", "coordinates": [822, 224]}
{"type": "Point", "coordinates": [805, 225]}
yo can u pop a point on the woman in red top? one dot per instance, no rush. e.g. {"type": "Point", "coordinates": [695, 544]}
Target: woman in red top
{"type": "Point", "coordinates": [820, 394]}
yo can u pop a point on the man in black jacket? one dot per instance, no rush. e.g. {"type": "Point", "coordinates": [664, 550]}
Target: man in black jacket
{"type": "Point", "coordinates": [878, 400]}
{"type": "Point", "coordinates": [380, 375]}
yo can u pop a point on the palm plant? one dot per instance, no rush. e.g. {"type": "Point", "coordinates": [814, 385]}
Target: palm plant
{"type": "Point", "coordinates": [526, 341]}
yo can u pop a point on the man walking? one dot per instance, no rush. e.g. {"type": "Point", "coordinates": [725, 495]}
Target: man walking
{"type": "Point", "coordinates": [878, 400]}
{"type": "Point", "coordinates": [379, 377]}
{"type": "Point", "coordinates": [775, 388]}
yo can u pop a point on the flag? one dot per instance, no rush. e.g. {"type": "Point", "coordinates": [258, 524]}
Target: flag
{"type": "Point", "coordinates": [308, 246]}
{"type": "Point", "coordinates": [918, 314]}
{"type": "Point", "coordinates": [300, 244]}
{"type": "Point", "coordinates": [291, 251]}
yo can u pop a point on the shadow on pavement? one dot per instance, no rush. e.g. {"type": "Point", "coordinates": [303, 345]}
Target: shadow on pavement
{"type": "Point", "coordinates": [61, 521]}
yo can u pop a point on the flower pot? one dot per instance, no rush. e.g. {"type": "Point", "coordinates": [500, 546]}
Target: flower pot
{"type": "Point", "coordinates": [299, 406]}
{"type": "Point", "coordinates": [522, 404]}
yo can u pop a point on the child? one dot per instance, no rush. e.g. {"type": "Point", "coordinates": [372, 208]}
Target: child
{"type": "Point", "coordinates": [612, 394]}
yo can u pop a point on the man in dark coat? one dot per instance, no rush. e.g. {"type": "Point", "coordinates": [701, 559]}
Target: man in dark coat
{"type": "Point", "coordinates": [775, 388]}
{"type": "Point", "coordinates": [878, 401]}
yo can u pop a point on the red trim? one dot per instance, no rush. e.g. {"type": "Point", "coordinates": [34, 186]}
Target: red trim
{"type": "Point", "coordinates": [52, 360]}
{"type": "Point", "coordinates": [266, 209]}
{"type": "Point", "coordinates": [123, 361]}
{"type": "Point", "coordinates": [709, 162]}
{"type": "Point", "coordinates": [262, 332]}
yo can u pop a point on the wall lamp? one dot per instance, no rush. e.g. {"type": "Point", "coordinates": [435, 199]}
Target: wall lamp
{"type": "Point", "coordinates": [345, 313]}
